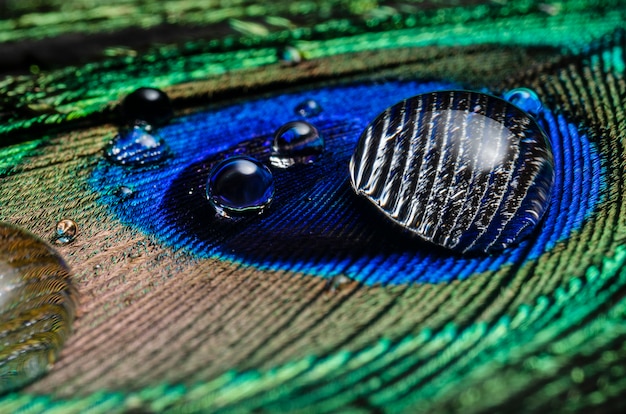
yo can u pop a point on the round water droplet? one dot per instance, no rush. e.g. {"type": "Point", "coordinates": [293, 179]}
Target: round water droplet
{"type": "Point", "coordinates": [289, 55]}
{"type": "Point", "coordinates": [240, 185]}
{"type": "Point", "coordinates": [337, 283]}
{"type": "Point", "coordinates": [147, 105]}
{"type": "Point", "coordinates": [525, 99]}
{"type": "Point", "coordinates": [296, 142]}
{"type": "Point", "coordinates": [463, 170]}
{"type": "Point", "coordinates": [308, 108]}
{"type": "Point", "coordinates": [137, 146]}
{"type": "Point", "coordinates": [66, 231]}
{"type": "Point", "coordinates": [124, 192]}
{"type": "Point", "coordinates": [37, 306]}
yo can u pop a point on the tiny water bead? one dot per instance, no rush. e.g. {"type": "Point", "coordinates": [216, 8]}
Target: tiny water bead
{"type": "Point", "coordinates": [296, 142]}
{"type": "Point", "coordinates": [239, 186]}
{"type": "Point", "coordinates": [308, 108]}
{"type": "Point", "coordinates": [137, 146]}
{"type": "Point", "coordinates": [463, 170]}
{"type": "Point", "coordinates": [525, 99]}
{"type": "Point", "coordinates": [66, 231]}
{"type": "Point", "coordinates": [124, 192]}
{"type": "Point", "coordinates": [289, 55]}
{"type": "Point", "coordinates": [147, 105]}
{"type": "Point", "coordinates": [338, 283]}
{"type": "Point", "coordinates": [37, 306]}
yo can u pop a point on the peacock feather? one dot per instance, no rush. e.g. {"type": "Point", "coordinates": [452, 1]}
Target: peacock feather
{"type": "Point", "coordinates": [319, 304]}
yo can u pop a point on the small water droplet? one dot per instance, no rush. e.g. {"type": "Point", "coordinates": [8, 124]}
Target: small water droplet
{"type": "Point", "coordinates": [525, 99]}
{"type": "Point", "coordinates": [296, 142]}
{"type": "Point", "coordinates": [147, 105]}
{"type": "Point", "coordinates": [550, 9]}
{"type": "Point", "coordinates": [337, 283]}
{"type": "Point", "coordinates": [137, 146]}
{"type": "Point", "coordinates": [240, 185]}
{"type": "Point", "coordinates": [289, 55]}
{"type": "Point", "coordinates": [66, 231]}
{"type": "Point", "coordinates": [308, 108]}
{"type": "Point", "coordinates": [124, 192]}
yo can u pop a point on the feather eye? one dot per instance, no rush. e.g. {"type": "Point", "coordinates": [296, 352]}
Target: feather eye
{"type": "Point", "coordinates": [37, 306]}
{"type": "Point", "coordinates": [312, 204]}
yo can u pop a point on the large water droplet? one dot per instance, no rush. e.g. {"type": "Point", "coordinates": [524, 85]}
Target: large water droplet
{"type": "Point", "coordinates": [308, 108]}
{"type": "Point", "coordinates": [147, 105]}
{"type": "Point", "coordinates": [66, 231]}
{"type": "Point", "coordinates": [137, 146]}
{"type": "Point", "coordinates": [296, 142]}
{"type": "Point", "coordinates": [239, 186]}
{"type": "Point", "coordinates": [525, 99]}
{"type": "Point", "coordinates": [37, 306]}
{"type": "Point", "coordinates": [463, 170]}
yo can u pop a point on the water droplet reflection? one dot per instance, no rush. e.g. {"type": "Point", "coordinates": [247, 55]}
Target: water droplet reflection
{"type": "Point", "coordinates": [296, 142]}
{"type": "Point", "coordinates": [239, 186]}
{"type": "Point", "coordinates": [337, 284]}
{"type": "Point", "coordinates": [37, 306]}
{"type": "Point", "coordinates": [308, 108]}
{"type": "Point", "coordinates": [137, 146]}
{"type": "Point", "coordinates": [525, 99]}
{"type": "Point", "coordinates": [124, 192]}
{"type": "Point", "coordinates": [478, 178]}
{"type": "Point", "coordinates": [289, 55]}
{"type": "Point", "coordinates": [147, 105]}
{"type": "Point", "coordinates": [66, 231]}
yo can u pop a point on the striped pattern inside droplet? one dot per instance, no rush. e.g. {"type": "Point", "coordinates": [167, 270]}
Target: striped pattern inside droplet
{"type": "Point", "coordinates": [464, 170]}
{"type": "Point", "coordinates": [37, 306]}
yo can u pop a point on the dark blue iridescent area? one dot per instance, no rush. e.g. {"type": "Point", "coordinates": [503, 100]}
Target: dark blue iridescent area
{"type": "Point", "coordinates": [316, 225]}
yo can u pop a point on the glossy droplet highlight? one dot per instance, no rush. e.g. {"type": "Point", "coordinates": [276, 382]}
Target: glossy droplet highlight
{"type": "Point", "coordinates": [289, 55]}
{"type": "Point", "coordinates": [240, 186]}
{"type": "Point", "coordinates": [463, 170]}
{"type": "Point", "coordinates": [147, 105]}
{"type": "Point", "coordinates": [338, 283]}
{"type": "Point", "coordinates": [124, 192]}
{"type": "Point", "coordinates": [308, 108]}
{"type": "Point", "coordinates": [296, 142]}
{"type": "Point", "coordinates": [66, 231]}
{"type": "Point", "coordinates": [37, 306]}
{"type": "Point", "coordinates": [137, 146]}
{"type": "Point", "coordinates": [525, 99]}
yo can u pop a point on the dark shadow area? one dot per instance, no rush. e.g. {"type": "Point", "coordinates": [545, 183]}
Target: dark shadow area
{"type": "Point", "coordinates": [315, 215]}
